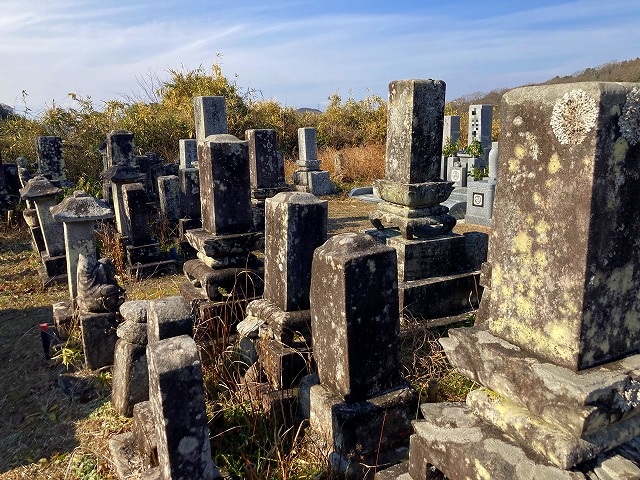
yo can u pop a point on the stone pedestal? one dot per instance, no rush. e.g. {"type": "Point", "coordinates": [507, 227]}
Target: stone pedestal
{"type": "Point", "coordinates": [98, 338]}
{"type": "Point", "coordinates": [436, 278]}
{"type": "Point", "coordinates": [362, 399]}
{"type": "Point", "coordinates": [309, 178]}
{"type": "Point", "coordinates": [555, 349]}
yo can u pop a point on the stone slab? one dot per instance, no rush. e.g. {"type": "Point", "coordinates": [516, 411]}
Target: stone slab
{"type": "Point", "coordinates": [98, 338]}
{"type": "Point", "coordinates": [582, 402]}
{"type": "Point", "coordinates": [130, 383]}
{"type": "Point", "coordinates": [144, 432]}
{"type": "Point", "coordinates": [125, 457]}
{"type": "Point", "coordinates": [440, 296]}
{"type": "Point", "coordinates": [317, 182]}
{"type": "Point", "coordinates": [217, 246]}
{"type": "Point", "coordinates": [135, 311]}
{"type": "Point", "coordinates": [169, 317]}
{"type": "Point", "coordinates": [283, 365]}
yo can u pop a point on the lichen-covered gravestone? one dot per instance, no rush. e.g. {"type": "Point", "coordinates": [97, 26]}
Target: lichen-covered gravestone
{"type": "Point", "coordinates": [362, 408]}
{"type": "Point", "coordinates": [309, 178]}
{"type": "Point", "coordinates": [436, 271]}
{"type": "Point", "coordinates": [556, 343]}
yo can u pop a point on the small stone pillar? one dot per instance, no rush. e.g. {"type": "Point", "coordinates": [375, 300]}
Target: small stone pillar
{"type": "Point", "coordinates": [266, 171]}
{"type": "Point", "coordinates": [189, 180]}
{"type": "Point", "coordinates": [78, 214]}
{"type": "Point", "coordinates": [142, 250]}
{"type": "Point", "coordinates": [561, 307]}
{"type": "Point", "coordinates": [120, 175]}
{"type": "Point", "coordinates": [309, 178]}
{"type": "Point", "coordinates": [362, 403]}
{"type": "Point", "coordinates": [210, 115]}
{"type": "Point", "coordinates": [169, 197]}
{"type": "Point", "coordinates": [177, 399]}
{"type": "Point", "coordinates": [225, 266]}
{"type": "Point", "coordinates": [296, 225]}
{"type": "Point", "coordinates": [50, 159]}
{"type": "Point", "coordinates": [434, 273]}
{"type": "Point", "coordinates": [188, 153]}
{"type": "Point", "coordinates": [43, 194]}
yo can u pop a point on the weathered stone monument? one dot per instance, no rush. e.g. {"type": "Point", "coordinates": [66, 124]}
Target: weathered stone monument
{"type": "Point", "coordinates": [50, 159]}
{"type": "Point", "coordinates": [143, 256]}
{"type": "Point", "coordinates": [555, 347]}
{"type": "Point", "coordinates": [362, 408]}
{"type": "Point", "coordinates": [296, 225]}
{"type": "Point", "coordinates": [42, 192]}
{"type": "Point", "coordinates": [9, 187]}
{"type": "Point", "coordinates": [309, 178]}
{"type": "Point", "coordinates": [226, 269]}
{"type": "Point", "coordinates": [266, 171]}
{"type": "Point", "coordinates": [189, 180]}
{"type": "Point", "coordinates": [437, 270]}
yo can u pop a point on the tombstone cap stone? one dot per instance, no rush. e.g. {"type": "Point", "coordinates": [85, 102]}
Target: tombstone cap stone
{"type": "Point", "coordinates": [39, 186]}
{"type": "Point", "coordinates": [347, 246]}
{"type": "Point", "coordinates": [223, 138]}
{"type": "Point", "coordinates": [81, 207]}
{"type": "Point", "coordinates": [295, 197]}
{"type": "Point", "coordinates": [123, 174]}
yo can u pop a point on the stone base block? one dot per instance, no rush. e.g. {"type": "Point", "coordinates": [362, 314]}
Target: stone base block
{"type": "Point", "coordinates": [283, 365]}
{"type": "Point", "coordinates": [280, 325]}
{"type": "Point", "coordinates": [268, 192]}
{"type": "Point", "coordinates": [47, 280]}
{"type": "Point", "coordinates": [361, 437]}
{"type": "Point", "coordinates": [316, 182]}
{"type": "Point", "coordinates": [549, 441]}
{"type": "Point", "coordinates": [125, 456]}
{"type": "Point", "coordinates": [582, 402]}
{"type": "Point", "coordinates": [281, 404]}
{"type": "Point", "coordinates": [440, 296]}
{"type": "Point", "coordinates": [222, 283]}
{"type": "Point", "coordinates": [424, 258]}
{"type": "Point", "coordinates": [54, 266]}
{"type": "Point", "coordinates": [98, 338]}
{"type": "Point", "coordinates": [453, 441]}
{"type": "Point", "coordinates": [144, 433]}
{"type": "Point", "coordinates": [154, 269]}
{"type": "Point", "coordinates": [130, 383]}
{"type": "Point", "coordinates": [143, 253]}
{"type": "Point", "coordinates": [63, 318]}
{"type": "Point", "coordinates": [217, 246]}
{"type": "Point", "coordinates": [480, 202]}
{"type": "Point", "coordinates": [414, 227]}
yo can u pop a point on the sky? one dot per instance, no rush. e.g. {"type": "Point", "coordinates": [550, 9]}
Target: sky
{"type": "Point", "coordinates": [300, 52]}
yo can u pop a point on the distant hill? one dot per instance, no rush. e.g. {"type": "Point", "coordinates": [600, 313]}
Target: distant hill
{"type": "Point", "coordinates": [5, 111]}
{"type": "Point", "coordinates": [302, 111]}
{"type": "Point", "coordinates": [615, 71]}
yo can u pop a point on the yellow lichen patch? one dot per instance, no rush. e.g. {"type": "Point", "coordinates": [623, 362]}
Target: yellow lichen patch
{"type": "Point", "coordinates": [537, 199]}
{"type": "Point", "coordinates": [514, 165]}
{"type": "Point", "coordinates": [524, 307]}
{"type": "Point", "coordinates": [519, 152]}
{"type": "Point", "coordinates": [554, 164]}
{"type": "Point", "coordinates": [587, 161]}
{"type": "Point", "coordinates": [542, 230]}
{"type": "Point", "coordinates": [621, 279]}
{"type": "Point", "coordinates": [620, 149]}
{"type": "Point", "coordinates": [540, 258]}
{"type": "Point", "coordinates": [530, 221]}
{"type": "Point", "coordinates": [522, 242]}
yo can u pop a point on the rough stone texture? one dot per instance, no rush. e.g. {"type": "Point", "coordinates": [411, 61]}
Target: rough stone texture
{"type": "Point", "coordinates": [360, 437]}
{"type": "Point", "coordinates": [461, 446]}
{"type": "Point", "coordinates": [189, 192]}
{"type": "Point", "coordinates": [98, 291]}
{"type": "Point", "coordinates": [221, 246]}
{"type": "Point", "coordinates": [169, 197]}
{"type": "Point", "coordinates": [582, 402]}
{"type": "Point", "coordinates": [50, 159]}
{"type": "Point", "coordinates": [130, 383]}
{"type": "Point", "coordinates": [177, 398]}
{"type": "Point", "coordinates": [223, 163]}
{"type": "Point", "coordinates": [572, 284]}
{"type": "Point", "coordinates": [136, 213]}
{"type": "Point", "coordinates": [548, 440]}
{"type": "Point", "coordinates": [354, 316]}
{"type": "Point", "coordinates": [414, 130]}
{"type": "Point", "coordinates": [168, 317]}
{"type": "Point", "coordinates": [135, 311]}
{"type": "Point", "coordinates": [282, 325]}
{"type": "Point", "coordinates": [133, 332]}
{"type": "Point", "coordinates": [43, 194]}
{"type": "Point", "coordinates": [210, 117]}
{"type": "Point", "coordinates": [315, 182]}
{"type": "Point", "coordinates": [98, 338]}
{"type": "Point", "coordinates": [266, 169]}
{"type": "Point", "coordinates": [307, 145]}
{"type": "Point", "coordinates": [120, 148]}
{"type": "Point", "coordinates": [283, 365]}
{"type": "Point", "coordinates": [144, 431]}
{"type": "Point", "coordinates": [450, 129]}
{"type": "Point", "coordinates": [188, 153]}
{"type": "Point", "coordinates": [296, 224]}
{"type": "Point", "coordinates": [217, 284]}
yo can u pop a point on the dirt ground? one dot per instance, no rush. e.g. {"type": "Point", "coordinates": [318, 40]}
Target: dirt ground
{"type": "Point", "coordinates": [44, 434]}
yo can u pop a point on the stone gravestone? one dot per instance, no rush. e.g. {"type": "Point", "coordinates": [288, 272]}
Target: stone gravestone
{"type": "Point", "coordinates": [50, 159]}
{"type": "Point", "coordinates": [226, 269]}
{"type": "Point", "coordinates": [266, 171]}
{"type": "Point", "coordinates": [143, 255]}
{"type": "Point", "coordinates": [296, 225]}
{"type": "Point", "coordinates": [189, 180]}
{"type": "Point", "coordinates": [437, 272]}
{"type": "Point", "coordinates": [480, 123]}
{"type": "Point", "coordinates": [562, 308]}
{"type": "Point", "coordinates": [43, 193]}
{"type": "Point", "coordinates": [309, 178]}
{"type": "Point", "coordinates": [119, 150]}
{"type": "Point", "coordinates": [362, 408]}
{"type": "Point", "coordinates": [9, 187]}
{"type": "Point", "coordinates": [210, 117]}
{"type": "Point", "coordinates": [481, 193]}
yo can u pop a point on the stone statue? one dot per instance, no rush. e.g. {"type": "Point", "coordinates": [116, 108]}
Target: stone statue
{"type": "Point", "coordinates": [98, 291]}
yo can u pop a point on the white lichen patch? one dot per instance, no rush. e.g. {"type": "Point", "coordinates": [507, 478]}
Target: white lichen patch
{"type": "Point", "coordinates": [629, 121]}
{"type": "Point", "coordinates": [574, 115]}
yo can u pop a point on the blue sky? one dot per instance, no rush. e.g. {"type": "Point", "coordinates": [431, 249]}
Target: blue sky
{"type": "Point", "coordinates": [298, 52]}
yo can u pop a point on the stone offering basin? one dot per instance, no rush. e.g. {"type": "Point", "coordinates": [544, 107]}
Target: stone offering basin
{"type": "Point", "coordinates": [414, 195]}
